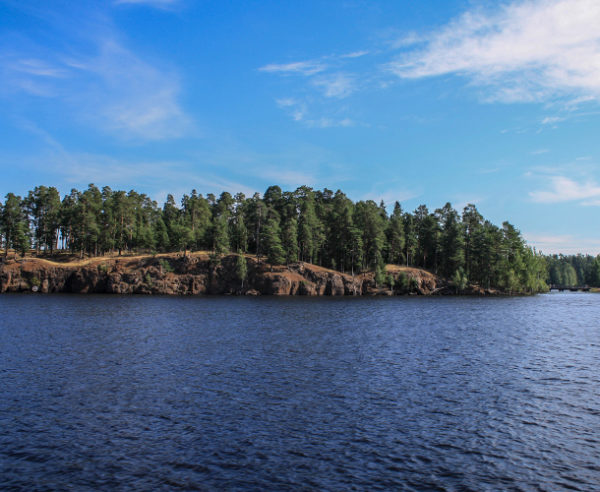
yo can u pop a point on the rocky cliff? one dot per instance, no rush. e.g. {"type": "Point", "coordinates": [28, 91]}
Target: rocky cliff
{"type": "Point", "coordinates": [197, 275]}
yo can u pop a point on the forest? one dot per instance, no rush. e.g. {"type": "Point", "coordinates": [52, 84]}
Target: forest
{"type": "Point", "coordinates": [573, 270]}
{"type": "Point", "coordinates": [321, 227]}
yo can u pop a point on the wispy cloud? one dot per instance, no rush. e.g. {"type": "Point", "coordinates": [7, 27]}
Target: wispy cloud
{"type": "Point", "coordinates": [355, 54]}
{"type": "Point", "coordinates": [39, 68]}
{"type": "Point", "coordinates": [550, 120]}
{"type": "Point", "coordinates": [325, 78]}
{"type": "Point", "coordinates": [389, 197]}
{"type": "Point", "coordinates": [299, 68]}
{"type": "Point", "coordinates": [566, 244]}
{"type": "Point", "coordinates": [108, 86]}
{"type": "Point", "coordinates": [338, 85]}
{"type": "Point", "coordinates": [155, 177]}
{"type": "Point", "coordinates": [563, 189]}
{"type": "Point", "coordinates": [298, 110]}
{"type": "Point", "coordinates": [524, 51]}
{"type": "Point", "coordinates": [161, 4]}
{"type": "Point", "coordinates": [131, 97]}
{"type": "Point", "coordinates": [329, 122]}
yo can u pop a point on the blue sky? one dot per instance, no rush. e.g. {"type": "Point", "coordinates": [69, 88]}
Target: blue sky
{"type": "Point", "coordinates": [493, 103]}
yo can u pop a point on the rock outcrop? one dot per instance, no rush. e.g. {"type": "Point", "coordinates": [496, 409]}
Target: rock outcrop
{"type": "Point", "coordinates": [200, 275]}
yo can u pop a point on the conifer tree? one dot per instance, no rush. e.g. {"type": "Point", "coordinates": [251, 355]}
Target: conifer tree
{"type": "Point", "coordinates": [14, 225]}
{"type": "Point", "coordinates": [271, 240]}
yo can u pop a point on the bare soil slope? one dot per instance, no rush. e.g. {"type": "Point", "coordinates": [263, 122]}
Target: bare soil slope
{"type": "Point", "coordinates": [196, 274]}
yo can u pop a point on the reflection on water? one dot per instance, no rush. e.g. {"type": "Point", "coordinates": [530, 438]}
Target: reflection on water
{"type": "Point", "coordinates": [107, 392]}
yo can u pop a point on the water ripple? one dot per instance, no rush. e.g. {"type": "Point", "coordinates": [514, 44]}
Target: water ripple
{"type": "Point", "coordinates": [156, 393]}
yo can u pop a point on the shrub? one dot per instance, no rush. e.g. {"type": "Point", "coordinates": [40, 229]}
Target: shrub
{"type": "Point", "coordinates": [413, 284]}
{"type": "Point", "coordinates": [165, 265]}
{"type": "Point", "coordinates": [390, 281]}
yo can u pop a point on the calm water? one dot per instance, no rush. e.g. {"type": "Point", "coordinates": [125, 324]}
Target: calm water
{"type": "Point", "coordinates": [156, 393]}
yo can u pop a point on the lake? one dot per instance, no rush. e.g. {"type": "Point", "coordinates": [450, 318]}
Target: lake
{"type": "Point", "coordinates": [222, 393]}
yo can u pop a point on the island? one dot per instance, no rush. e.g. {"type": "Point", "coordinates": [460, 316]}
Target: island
{"type": "Point", "coordinates": [301, 242]}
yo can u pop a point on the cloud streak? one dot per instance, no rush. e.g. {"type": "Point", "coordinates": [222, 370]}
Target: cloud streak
{"type": "Point", "coordinates": [563, 189]}
{"type": "Point", "coordinates": [565, 244]}
{"type": "Point", "coordinates": [306, 68]}
{"type": "Point", "coordinates": [161, 4]}
{"type": "Point", "coordinates": [338, 85]}
{"type": "Point", "coordinates": [97, 80]}
{"type": "Point", "coordinates": [129, 96]}
{"type": "Point", "coordinates": [525, 51]}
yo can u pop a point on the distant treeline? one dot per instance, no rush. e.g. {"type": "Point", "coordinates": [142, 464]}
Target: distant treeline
{"type": "Point", "coordinates": [321, 227]}
{"type": "Point", "coordinates": [573, 270]}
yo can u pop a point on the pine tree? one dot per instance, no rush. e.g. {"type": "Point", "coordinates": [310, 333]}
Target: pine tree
{"type": "Point", "coordinates": [241, 268]}
{"type": "Point", "coordinates": [14, 225]}
{"type": "Point", "coordinates": [395, 236]}
{"type": "Point", "coordinates": [290, 240]}
{"type": "Point", "coordinates": [271, 240]}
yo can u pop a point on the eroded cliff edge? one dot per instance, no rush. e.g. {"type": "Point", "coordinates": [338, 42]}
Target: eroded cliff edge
{"type": "Point", "coordinates": [197, 274]}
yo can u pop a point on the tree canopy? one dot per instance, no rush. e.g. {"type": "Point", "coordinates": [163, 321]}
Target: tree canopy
{"type": "Point", "coordinates": [317, 226]}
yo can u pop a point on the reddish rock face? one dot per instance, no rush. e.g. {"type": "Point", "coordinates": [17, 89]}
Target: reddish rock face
{"type": "Point", "coordinates": [196, 275]}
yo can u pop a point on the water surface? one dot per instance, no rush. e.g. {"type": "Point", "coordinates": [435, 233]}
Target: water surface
{"type": "Point", "coordinates": [167, 393]}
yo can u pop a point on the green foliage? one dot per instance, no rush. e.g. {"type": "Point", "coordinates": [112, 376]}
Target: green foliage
{"type": "Point", "coordinates": [165, 265]}
{"type": "Point", "coordinates": [390, 281]}
{"type": "Point", "coordinates": [220, 235]}
{"type": "Point", "coordinates": [594, 275]}
{"type": "Point", "coordinates": [319, 226]}
{"type": "Point", "coordinates": [103, 268]}
{"type": "Point", "coordinates": [413, 285]}
{"type": "Point", "coordinates": [148, 280]}
{"type": "Point", "coordinates": [380, 276]}
{"type": "Point", "coordinates": [271, 240]}
{"type": "Point", "coordinates": [241, 268]}
{"type": "Point", "coordinates": [402, 282]}
{"type": "Point", "coordinates": [460, 280]}
{"type": "Point", "coordinates": [573, 270]}
{"type": "Point", "coordinates": [290, 240]}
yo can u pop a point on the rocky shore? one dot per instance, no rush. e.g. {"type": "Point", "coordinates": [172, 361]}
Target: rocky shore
{"type": "Point", "coordinates": [197, 274]}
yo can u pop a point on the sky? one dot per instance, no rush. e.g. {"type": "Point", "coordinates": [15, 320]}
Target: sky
{"type": "Point", "coordinates": [494, 103]}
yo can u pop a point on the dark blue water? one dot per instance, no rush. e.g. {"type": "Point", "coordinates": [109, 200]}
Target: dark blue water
{"type": "Point", "coordinates": [156, 393]}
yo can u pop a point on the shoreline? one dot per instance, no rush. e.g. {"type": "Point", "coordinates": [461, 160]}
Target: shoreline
{"type": "Point", "coordinates": [199, 274]}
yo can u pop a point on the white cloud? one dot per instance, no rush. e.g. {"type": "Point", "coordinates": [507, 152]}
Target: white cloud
{"type": "Point", "coordinates": [299, 112]}
{"type": "Point", "coordinates": [566, 244]}
{"type": "Point", "coordinates": [338, 85]}
{"type": "Point", "coordinates": [563, 189]}
{"type": "Point", "coordinates": [155, 177]}
{"type": "Point", "coordinates": [302, 68]}
{"type": "Point", "coordinates": [325, 81]}
{"type": "Point", "coordinates": [296, 108]}
{"type": "Point", "coordinates": [40, 68]}
{"type": "Point", "coordinates": [162, 4]}
{"type": "Point", "coordinates": [549, 120]}
{"type": "Point", "coordinates": [330, 122]}
{"type": "Point", "coordinates": [129, 96]}
{"type": "Point", "coordinates": [112, 89]}
{"type": "Point", "coordinates": [524, 51]}
{"type": "Point", "coordinates": [355, 54]}
{"type": "Point", "coordinates": [407, 40]}
{"type": "Point", "coordinates": [391, 196]}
